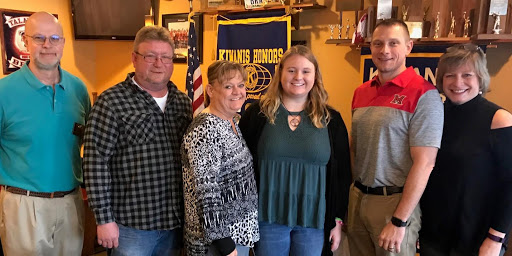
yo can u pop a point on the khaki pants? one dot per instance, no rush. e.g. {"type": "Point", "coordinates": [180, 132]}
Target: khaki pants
{"type": "Point", "coordinates": [41, 226]}
{"type": "Point", "coordinates": [367, 216]}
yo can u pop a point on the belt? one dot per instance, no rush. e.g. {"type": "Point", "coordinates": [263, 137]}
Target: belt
{"type": "Point", "coordinates": [383, 191]}
{"type": "Point", "coordinates": [20, 191]}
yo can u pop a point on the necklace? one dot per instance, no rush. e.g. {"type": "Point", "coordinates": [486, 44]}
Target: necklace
{"type": "Point", "coordinates": [295, 117]}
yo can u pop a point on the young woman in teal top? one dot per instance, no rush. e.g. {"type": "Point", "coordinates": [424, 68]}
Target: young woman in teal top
{"type": "Point", "coordinates": [302, 161]}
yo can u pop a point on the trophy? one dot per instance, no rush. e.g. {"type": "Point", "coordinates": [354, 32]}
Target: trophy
{"type": "Point", "coordinates": [331, 27]}
{"type": "Point", "coordinates": [452, 26]}
{"type": "Point", "coordinates": [348, 29]}
{"type": "Point", "coordinates": [496, 28]}
{"type": "Point", "coordinates": [404, 12]}
{"type": "Point", "coordinates": [426, 23]}
{"type": "Point", "coordinates": [436, 28]}
{"type": "Point", "coordinates": [467, 24]}
{"type": "Point", "coordinates": [339, 30]}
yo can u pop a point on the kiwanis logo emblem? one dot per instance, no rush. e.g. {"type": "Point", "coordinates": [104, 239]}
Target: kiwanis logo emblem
{"type": "Point", "coordinates": [398, 99]}
{"type": "Point", "coordinates": [258, 78]}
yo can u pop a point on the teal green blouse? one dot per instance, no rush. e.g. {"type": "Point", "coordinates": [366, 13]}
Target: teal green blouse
{"type": "Point", "coordinates": [293, 172]}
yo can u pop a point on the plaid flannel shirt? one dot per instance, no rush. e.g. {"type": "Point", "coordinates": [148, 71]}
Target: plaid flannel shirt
{"type": "Point", "coordinates": [132, 164]}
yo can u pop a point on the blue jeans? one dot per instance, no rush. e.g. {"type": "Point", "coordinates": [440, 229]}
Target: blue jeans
{"type": "Point", "coordinates": [135, 242]}
{"type": "Point", "coordinates": [281, 240]}
{"type": "Point", "coordinates": [240, 250]}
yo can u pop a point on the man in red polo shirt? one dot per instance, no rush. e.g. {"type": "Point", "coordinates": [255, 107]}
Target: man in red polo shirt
{"type": "Point", "coordinates": [397, 122]}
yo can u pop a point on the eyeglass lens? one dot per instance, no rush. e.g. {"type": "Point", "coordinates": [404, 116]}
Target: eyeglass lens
{"type": "Point", "coordinates": [40, 39]}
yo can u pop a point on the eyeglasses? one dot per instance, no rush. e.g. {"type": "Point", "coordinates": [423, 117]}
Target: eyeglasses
{"type": "Point", "coordinates": [153, 58]}
{"type": "Point", "coordinates": [467, 47]}
{"type": "Point", "coordinates": [40, 39]}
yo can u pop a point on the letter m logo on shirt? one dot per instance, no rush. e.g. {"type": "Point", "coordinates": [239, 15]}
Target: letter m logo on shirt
{"type": "Point", "coordinates": [398, 99]}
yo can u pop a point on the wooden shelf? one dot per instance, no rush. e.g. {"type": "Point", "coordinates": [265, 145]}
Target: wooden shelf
{"type": "Point", "coordinates": [241, 8]}
{"type": "Point", "coordinates": [489, 39]}
{"type": "Point", "coordinates": [500, 38]}
{"type": "Point", "coordinates": [339, 41]}
{"type": "Point", "coordinates": [308, 6]}
{"type": "Point", "coordinates": [444, 39]}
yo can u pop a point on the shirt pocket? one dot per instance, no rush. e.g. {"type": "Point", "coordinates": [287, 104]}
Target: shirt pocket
{"type": "Point", "coordinates": [138, 127]}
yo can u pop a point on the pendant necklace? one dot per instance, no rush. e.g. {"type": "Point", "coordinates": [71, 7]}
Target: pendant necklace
{"type": "Point", "coordinates": [295, 117]}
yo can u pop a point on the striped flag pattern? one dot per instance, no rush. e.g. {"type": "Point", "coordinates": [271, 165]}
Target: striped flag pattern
{"type": "Point", "coordinates": [194, 79]}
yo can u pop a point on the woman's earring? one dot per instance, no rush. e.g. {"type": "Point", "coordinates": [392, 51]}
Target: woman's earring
{"type": "Point", "coordinates": [480, 92]}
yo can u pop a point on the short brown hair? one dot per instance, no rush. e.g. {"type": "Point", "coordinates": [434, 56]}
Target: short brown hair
{"type": "Point", "coordinates": [155, 33]}
{"type": "Point", "coordinates": [221, 71]}
{"type": "Point", "coordinates": [393, 22]}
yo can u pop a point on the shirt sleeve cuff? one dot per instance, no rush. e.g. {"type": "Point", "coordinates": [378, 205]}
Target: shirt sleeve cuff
{"type": "Point", "coordinates": [104, 216]}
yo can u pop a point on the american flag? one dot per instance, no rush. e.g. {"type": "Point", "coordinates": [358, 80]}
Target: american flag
{"type": "Point", "coordinates": [194, 78]}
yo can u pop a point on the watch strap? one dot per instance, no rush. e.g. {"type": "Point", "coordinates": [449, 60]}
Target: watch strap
{"type": "Point", "coordinates": [398, 222]}
{"type": "Point", "coordinates": [495, 238]}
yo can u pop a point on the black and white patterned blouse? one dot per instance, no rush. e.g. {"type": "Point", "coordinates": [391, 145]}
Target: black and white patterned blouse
{"type": "Point", "coordinates": [220, 193]}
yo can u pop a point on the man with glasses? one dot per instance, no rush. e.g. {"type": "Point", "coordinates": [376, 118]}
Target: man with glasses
{"type": "Point", "coordinates": [43, 110]}
{"type": "Point", "coordinates": [132, 163]}
{"type": "Point", "coordinates": [397, 123]}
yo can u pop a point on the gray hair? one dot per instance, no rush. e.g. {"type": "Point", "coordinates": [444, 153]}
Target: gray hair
{"type": "Point", "coordinates": [464, 54]}
{"type": "Point", "coordinates": [155, 33]}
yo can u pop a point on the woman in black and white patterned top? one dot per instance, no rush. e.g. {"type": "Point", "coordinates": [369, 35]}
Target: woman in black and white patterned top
{"type": "Point", "coordinates": [221, 201]}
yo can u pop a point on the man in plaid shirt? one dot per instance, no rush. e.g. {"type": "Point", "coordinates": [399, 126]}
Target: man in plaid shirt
{"type": "Point", "coordinates": [132, 165]}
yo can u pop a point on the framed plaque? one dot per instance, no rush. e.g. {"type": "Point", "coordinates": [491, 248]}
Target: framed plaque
{"type": "Point", "coordinates": [14, 52]}
{"type": "Point", "coordinates": [252, 4]}
{"type": "Point", "coordinates": [498, 7]}
{"type": "Point", "coordinates": [415, 29]}
{"type": "Point", "coordinates": [384, 9]}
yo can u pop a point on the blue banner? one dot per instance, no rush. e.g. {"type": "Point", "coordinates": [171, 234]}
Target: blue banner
{"type": "Point", "coordinates": [258, 44]}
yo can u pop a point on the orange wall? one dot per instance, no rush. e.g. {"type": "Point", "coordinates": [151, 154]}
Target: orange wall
{"type": "Point", "coordinates": [101, 64]}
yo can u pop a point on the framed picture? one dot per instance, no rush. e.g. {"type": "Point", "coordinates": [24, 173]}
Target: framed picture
{"type": "Point", "coordinates": [178, 26]}
{"type": "Point", "coordinates": [14, 52]}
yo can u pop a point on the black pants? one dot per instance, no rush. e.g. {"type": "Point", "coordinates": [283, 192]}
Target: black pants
{"type": "Point", "coordinates": [428, 248]}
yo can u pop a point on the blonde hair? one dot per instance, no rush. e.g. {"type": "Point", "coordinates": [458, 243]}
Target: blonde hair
{"type": "Point", "coordinates": [221, 71]}
{"type": "Point", "coordinates": [464, 54]}
{"type": "Point", "coordinates": [316, 103]}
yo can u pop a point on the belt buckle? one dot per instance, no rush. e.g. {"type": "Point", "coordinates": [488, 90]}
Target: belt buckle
{"type": "Point", "coordinates": [384, 191]}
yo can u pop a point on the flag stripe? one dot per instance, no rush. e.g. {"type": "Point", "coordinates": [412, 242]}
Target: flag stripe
{"type": "Point", "coordinates": [194, 81]}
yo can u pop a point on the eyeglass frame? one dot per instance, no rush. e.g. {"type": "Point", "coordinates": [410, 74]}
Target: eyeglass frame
{"type": "Point", "coordinates": [162, 58]}
{"type": "Point", "coordinates": [37, 39]}
{"type": "Point", "coordinates": [468, 47]}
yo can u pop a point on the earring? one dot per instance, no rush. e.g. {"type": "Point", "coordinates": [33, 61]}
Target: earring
{"type": "Point", "coordinates": [480, 92]}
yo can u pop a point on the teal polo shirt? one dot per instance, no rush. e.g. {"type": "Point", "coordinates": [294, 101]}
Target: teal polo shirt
{"type": "Point", "coordinates": [38, 150]}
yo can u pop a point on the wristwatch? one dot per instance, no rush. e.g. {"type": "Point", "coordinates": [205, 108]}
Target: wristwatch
{"type": "Point", "coordinates": [496, 238]}
{"type": "Point", "coordinates": [398, 222]}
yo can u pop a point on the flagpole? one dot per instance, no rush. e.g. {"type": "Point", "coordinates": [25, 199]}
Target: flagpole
{"type": "Point", "coordinates": [191, 12]}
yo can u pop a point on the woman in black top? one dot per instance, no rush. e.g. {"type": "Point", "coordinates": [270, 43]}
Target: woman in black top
{"type": "Point", "coordinates": [467, 204]}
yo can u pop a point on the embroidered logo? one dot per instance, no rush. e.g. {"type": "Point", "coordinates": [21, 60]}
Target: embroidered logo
{"type": "Point", "coordinates": [398, 99]}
